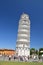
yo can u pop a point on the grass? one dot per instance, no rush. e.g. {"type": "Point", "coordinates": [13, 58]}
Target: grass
{"type": "Point", "coordinates": [20, 63]}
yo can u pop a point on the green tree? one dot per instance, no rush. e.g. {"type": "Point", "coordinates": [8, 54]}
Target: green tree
{"type": "Point", "coordinates": [40, 53]}
{"type": "Point", "coordinates": [32, 51]}
{"type": "Point", "coordinates": [36, 52]}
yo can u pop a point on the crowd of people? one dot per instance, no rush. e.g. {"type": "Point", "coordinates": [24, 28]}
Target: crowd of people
{"type": "Point", "coordinates": [19, 58]}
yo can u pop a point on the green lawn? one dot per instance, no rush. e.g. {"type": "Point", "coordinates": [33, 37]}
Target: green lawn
{"type": "Point", "coordinates": [20, 63]}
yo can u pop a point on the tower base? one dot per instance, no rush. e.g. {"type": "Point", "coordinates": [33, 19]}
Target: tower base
{"type": "Point", "coordinates": [23, 50]}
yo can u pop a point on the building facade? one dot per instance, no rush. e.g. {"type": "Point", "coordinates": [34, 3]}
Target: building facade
{"type": "Point", "coordinates": [8, 52]}
{"type": "Point", "coordinates": [23, 37]}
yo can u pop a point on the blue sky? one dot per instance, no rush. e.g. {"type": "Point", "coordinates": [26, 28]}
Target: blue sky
{"type": "Point", "coordinates": [10, 12]}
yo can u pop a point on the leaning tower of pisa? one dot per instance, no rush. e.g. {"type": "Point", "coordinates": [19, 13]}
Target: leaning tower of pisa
{"type": "Point", "coordinates": [23, 36]}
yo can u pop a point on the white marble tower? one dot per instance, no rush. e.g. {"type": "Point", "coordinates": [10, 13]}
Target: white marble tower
{"type": "Point", "coordinates": [23, 37]}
